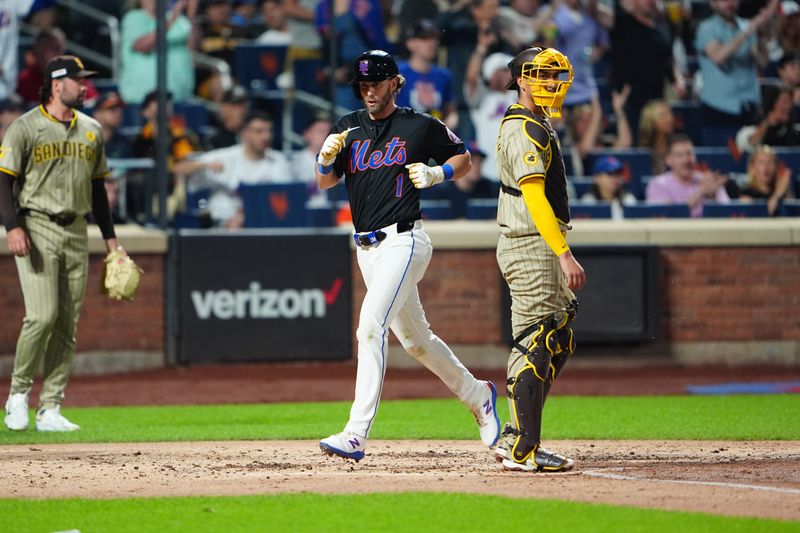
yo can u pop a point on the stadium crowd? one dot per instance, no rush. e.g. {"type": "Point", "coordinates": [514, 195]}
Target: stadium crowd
{"type": "Point", "coordinates": [674, 102]}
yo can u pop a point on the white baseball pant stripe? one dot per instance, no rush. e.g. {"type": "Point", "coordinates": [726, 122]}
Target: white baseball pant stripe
{"type": "Point", "coordinates": [391, 270]}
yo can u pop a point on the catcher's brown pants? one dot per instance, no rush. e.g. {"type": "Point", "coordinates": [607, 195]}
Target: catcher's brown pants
{"type": "Point", "coordinates": [53, 279]}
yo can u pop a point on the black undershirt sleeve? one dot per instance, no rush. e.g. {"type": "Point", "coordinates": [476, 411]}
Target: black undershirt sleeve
{"type": "Point", "coordinates": [8, 214]}
{"type": "Point", "coordinates": [101, 210]}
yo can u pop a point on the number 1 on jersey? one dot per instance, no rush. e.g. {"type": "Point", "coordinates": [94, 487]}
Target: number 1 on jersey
{"type": "Point", "coordinates": [399, 190]}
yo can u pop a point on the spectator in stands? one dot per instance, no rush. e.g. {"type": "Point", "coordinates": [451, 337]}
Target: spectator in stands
{"type": "Point", "coordinates": [609, 186]}
{"type": "Point", "coordinates": [789, 27]}
{"type": "Point", "coordinates": [250, 162]}
{"type": "Point", "coordinates": [244, 13]}
{"type": "Point", "coordinates": [472, 185]}
{"type": "Point", "coordinates": [523, 23]}
{"type": "Point", "coordinates": [684, 183]}
{"type": "Point", "coordinates": [768, 179]}
{"type": "Point", "coordinates": [488, 99]}
{"type": "Point", "coordinates": [428, 87]}
{"type": "Point", "coordinates": [655, 129]}
{"type": "Point", "coordinates": [46, 14]}
{"type": "Point", "coordinates": [778, 127]}
{"type": "Point", "coordinates": [182, 143]}
{"type": "Point", "coordinates": [358, 26]}
{"type": "Point", "coordinates": [584, 124]}
{"type": "Point", "coordinates": [276, 25]}
{"type": "Point", "coordinates": [10, 109]}
{"type": "Point", "coordinates": [410, 12]}
{"type": "Point", "coordinates": [138, 51]}
{"type": "Point", "coordinates": [108, 111]}
{"type": "Point", "coordinates": [47, 44]}
{"type": "Point", "coordinates": [789, 74]}
{"type": "Point", "coordinates": [641, 55]}
{"type": "Point", "coordinates": [10, 13]}
{"type": "Point", "coordinates": [730, 54]}
{"type": "Point", "coordinates": [306, 42]}
{"type": "Point", "coordinates": [303, 161]}
{"type": "Point", "coordinates": [470, 28]}
{"type": "Point", "coordinates": [230, 115]}
{"type": "Point", "coordinates": [584, 41]}
{"type": "Point", "coordinates": [218, 38]}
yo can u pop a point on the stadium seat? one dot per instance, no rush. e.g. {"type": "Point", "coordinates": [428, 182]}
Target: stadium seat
{"type": "Point", "coordinates": [260, 64]}
{"type": "Point", "coordinates": [274, 205]}
{"type": "Point", "coordinates": [585, 210]}
{"type": "Point", "coordinates": [790, 208]}
{"type": "Point", "coordinates": [194, 114]}
{"type": "Point", "coordinates": [481, 209]}
{"type": "Point", "coordinates": [436, 209]}
{"type": "Point", "coordinates": [687, 119]}
{"type": "Point", "coordinates": [736, 210]}
{"type": "Point", "coordinates": [656, 211]}
{"type": "Point", "coordinates": [720, 158]}
{"type": "Point", "coordinates": [582, 186]}
{"type": "Point", "coordinates": [636, 162]}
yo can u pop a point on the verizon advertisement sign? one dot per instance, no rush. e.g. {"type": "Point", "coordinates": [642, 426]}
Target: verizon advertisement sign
{"type": "Point", "coordinates": [271, 296]}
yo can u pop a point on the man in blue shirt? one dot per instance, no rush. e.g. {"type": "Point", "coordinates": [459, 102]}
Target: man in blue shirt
{"type": "Point", "coordinates": [428, 86]}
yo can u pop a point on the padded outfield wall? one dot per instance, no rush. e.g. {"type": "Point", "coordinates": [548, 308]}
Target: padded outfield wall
{"type": "Point", "coordinates": [728, 291]}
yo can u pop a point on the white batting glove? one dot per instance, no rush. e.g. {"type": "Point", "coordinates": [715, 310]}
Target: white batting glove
{"type": "Point", "coordinates": [423, 176]}
{"type": "Point", "coordinates": [330, 148]}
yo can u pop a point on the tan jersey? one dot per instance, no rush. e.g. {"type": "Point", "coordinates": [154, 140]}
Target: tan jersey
{"type": "Point", "coordinates": [53, 162]}
{"type": "Point", "coordinates": [528, 148]}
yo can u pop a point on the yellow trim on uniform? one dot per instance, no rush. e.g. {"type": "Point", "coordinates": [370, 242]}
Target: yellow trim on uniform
{"type": "Point", "coordinates": [543, 216]}
{"type": "Point", "coordinates": [100, 176]}
{"type": "Point", "coordinates": [524, 179]}
{"type": "Point", "coordinates": [54, 119]}
{"type": "Point", "coordinates": [9, 172]}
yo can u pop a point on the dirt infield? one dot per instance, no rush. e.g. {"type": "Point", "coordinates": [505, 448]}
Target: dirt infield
{"type": "Point", "coordinates": [756, 479]}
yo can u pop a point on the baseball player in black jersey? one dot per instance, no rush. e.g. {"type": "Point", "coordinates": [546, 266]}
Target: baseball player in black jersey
{"type": "Point", "coordinates": [383, 153]}
{"type": "Point", "coordinates": [532, 252]}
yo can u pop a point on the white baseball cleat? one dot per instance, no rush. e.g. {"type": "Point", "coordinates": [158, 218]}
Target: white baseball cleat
{"type": "Point", "coordinates": [51, 419]}
{"type": "Point", "coordinates": [17, 411]}
{"type": "Point", "coordinates": [486, 415]}
{"type": "Point", "coordinates": [345, 444]}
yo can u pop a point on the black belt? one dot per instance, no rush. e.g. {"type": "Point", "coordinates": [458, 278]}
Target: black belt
{"type": "Point", "coordinates": [509, 190]}
{"type": "Point", "coordinates": [62, 220]}
{"type": "Point", "coordinates": [373, 237]}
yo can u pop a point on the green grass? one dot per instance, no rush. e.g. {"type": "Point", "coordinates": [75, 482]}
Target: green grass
{"type": "Point", "coordinates": [417, 512]}
{"type": "Point", "coordinates": [756, 417]}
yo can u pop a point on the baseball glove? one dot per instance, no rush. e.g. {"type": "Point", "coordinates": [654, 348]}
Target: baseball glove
{"type": "Point", "coordinates": [121, 276]}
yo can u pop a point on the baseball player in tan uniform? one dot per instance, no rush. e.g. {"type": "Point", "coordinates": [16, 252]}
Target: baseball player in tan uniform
{"type": "Point", "coordinates": [536, 262]}
{"type": "Point", "coordinates": [52, 170]}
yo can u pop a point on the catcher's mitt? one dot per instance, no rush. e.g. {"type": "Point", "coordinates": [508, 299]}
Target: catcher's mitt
{"type": "Point", "coordinates": [121, 276]}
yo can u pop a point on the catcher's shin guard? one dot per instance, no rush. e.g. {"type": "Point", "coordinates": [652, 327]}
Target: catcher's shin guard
{"type": "Point", "coordinates": [566, 342]}
{"type": "Point", "coordinates": [530, 375]}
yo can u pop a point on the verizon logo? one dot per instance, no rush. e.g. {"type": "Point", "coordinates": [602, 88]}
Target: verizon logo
{"type": "Point", "coordinates": [265, 303]}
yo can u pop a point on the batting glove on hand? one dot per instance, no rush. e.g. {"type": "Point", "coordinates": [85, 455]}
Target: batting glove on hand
{"type": "Point", "coordinates": [423, 176]}
{"type": "Point", "coordinates": [331, 148]}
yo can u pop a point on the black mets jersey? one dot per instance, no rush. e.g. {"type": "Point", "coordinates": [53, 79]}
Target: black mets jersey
{"type": "Point", "coordinates": [528, 147]}
{"type": "Point", "coordinates": [374, 161]}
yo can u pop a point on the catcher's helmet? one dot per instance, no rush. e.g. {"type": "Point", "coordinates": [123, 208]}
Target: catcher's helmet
{"type": "Point", "coordinates": [372, 65]}
{"type": "Point", "coordinates": [549, 74]}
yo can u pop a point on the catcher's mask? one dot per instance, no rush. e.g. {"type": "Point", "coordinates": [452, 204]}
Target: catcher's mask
{"type": "Point", "coordinates": [373, 65]}
{"type": "Point", "coordinates": [547, 72]}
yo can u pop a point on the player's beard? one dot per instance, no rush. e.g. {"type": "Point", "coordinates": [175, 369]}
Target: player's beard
{"type": "Point", "coordinates": [74, 101]}
{"type": "Point", "coordinates": [377, 108]}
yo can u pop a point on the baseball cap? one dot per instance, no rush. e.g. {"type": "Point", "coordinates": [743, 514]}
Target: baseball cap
{"type": "Point", "coordinates": [152, 96]}
{"type": "Point", "coordinates": [474, 149]}
{"type": "Point", "coordinates": [421, 29]}
{"type": "Point", "coordinates": [235, 95]}
{"type": "Point", "coordinates": [789, 7]}
{"type": "Point", "coordinates": [109, 100]}
{"type": "Point", "coordinates": [788, 57]}
{"type": "Point", "coordinates": [516, 65]}
{"type": "Point", "coordinates": [66, 67]}
{"type": "Point", "coordinates": [493, 63]}
{"type": "Point", "coordinates": [607, 165]}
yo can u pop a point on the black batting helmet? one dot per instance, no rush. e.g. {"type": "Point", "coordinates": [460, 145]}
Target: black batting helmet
{"type": "Point", "coordinates": [372, 65]}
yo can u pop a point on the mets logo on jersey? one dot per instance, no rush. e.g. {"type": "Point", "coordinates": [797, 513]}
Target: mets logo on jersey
{"type": "Point", "coordinates": [530, 158]}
